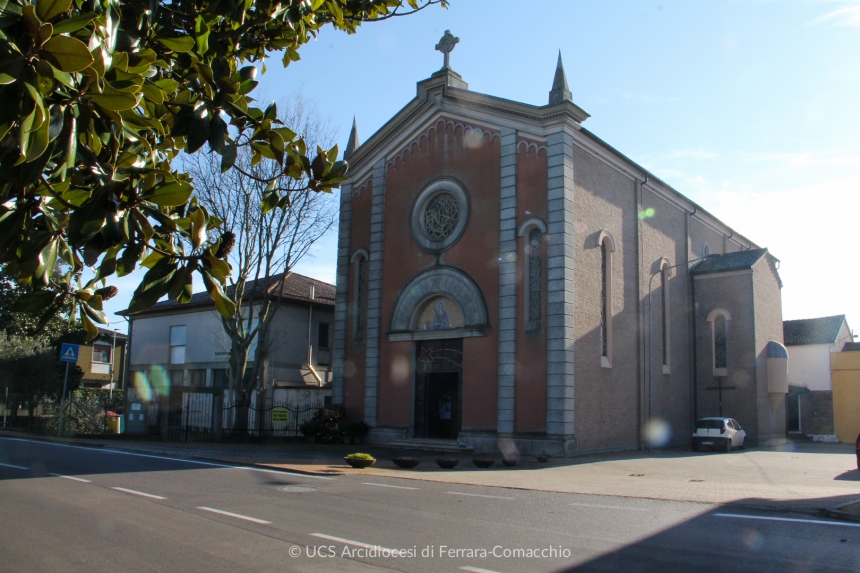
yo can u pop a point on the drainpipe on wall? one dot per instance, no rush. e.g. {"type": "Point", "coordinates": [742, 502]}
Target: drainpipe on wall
{"type": "Point", "coordinates": [310, 333]}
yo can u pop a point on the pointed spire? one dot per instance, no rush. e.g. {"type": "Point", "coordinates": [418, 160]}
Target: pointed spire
{"type": "Point", "coordinates": [352, 144]}
{"type": "Point", "coordinates": [559, 91]}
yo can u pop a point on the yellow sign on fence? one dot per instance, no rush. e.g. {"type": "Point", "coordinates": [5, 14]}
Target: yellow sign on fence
{"type": "Point", "coordinates": [280, 415]}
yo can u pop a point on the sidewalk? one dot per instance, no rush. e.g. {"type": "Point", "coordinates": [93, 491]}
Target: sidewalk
{"type": "Point", "coordinates": [809, 476]}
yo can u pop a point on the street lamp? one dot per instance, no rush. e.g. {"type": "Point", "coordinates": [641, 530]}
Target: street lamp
{"type": "Point", "coordinates": [112, 362]}
{"type": "Point", "coordinates": [650, 353]}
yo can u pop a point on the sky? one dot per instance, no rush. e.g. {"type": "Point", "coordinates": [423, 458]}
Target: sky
{"type": "Point", "coordinates": [749, 108]}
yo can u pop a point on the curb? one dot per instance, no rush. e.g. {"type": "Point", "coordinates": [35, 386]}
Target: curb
{"type": "Point", "coordinates": [837, 513]}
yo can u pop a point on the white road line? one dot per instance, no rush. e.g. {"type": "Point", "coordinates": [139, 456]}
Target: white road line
{"type": "Point", "coordinates": [350, 542]}
{"type": "Point", "coordinates": [14, 467]}
{"type": "Point", "coordinates": [478, 495]}
{"type": "Point", "coordinates": [609, 506]}
{"type": "Point", "coordinates": [140, 493]}
{"type": "Point", "coordinates": [186, 460]}
{"type": "Point", "coordinates": [71, 478]}
{"type": "Point", "coordinates": [387, 485]}
{"type": "Point", "coordinates": [477, 570]}
{"type": "Point", "coordinates": [236, 515]}
{"type": "Point", "coordinates": [816, 521]}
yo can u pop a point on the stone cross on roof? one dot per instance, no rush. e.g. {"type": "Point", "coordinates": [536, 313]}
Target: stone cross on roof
{"type": "Point", "coordinates": [446, 46]}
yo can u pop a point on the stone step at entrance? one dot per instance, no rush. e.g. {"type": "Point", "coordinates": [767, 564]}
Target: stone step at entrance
{"type": "Point", "coordinates": [430, 445]}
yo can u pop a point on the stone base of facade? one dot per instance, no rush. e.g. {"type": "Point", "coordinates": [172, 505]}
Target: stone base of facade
{"type": "Point", "coordinates": [522, 444]}
{"type": "Point", "coordinates": [383, 435]}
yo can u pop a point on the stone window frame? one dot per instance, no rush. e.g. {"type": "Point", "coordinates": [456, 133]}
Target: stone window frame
{"type": "Point", "coordinates": [443, 185]}
{"type": "Point", "coordinates": [606, 245]}
{"type": "Point", "coordinates": [666, 272]}
{"type": "Point", "coordinates": [712, 319]}
{"type": "Point", "coordinates": [359, 306]}
{"type": "Point", "coordinates": [525, 230]}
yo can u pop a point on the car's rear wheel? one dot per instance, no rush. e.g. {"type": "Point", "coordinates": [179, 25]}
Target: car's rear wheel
{"type": "Point", "coordinates": [743, 445]}
{"type": "Point", "coordinates": [728, 445]}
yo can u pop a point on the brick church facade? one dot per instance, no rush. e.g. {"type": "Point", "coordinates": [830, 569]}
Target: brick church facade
{"type": "Point", "coordinates": [495, 266]}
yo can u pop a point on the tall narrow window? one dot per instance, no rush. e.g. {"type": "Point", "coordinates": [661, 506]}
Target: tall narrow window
{"type": "Point", "coordinates": [719, 320]}
{"type": "Point", "coordinates": [359, 288]}
{"type": "Point", "coordinates": [604, 312]}
{"type": "Point", "coordinates": [535, 280]}
{"type": "Point", "coordinates": [720, 358]}
{"type": "Point", "coordinates": [607, 247]}
{"type": "Point", "coordinates": [665, 315]}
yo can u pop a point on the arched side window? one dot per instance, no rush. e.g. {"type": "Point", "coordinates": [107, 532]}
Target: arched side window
{"type": "Point", "coordinates": [706, 249]}
{"type": "Point", "coordinates": [666, 323]}
{"type": "Point", "coordinates": [533, 231]}
{"type": "Point", "coordinates": [719, 320]}
{"type": "Point", "coordinates": [607, 247]}
{"type": "Point", "coordinates": [359, 293]}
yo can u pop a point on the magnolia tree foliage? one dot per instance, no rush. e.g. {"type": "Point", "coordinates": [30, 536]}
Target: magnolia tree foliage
{"type": "Point", "coordinates": [97, 97]}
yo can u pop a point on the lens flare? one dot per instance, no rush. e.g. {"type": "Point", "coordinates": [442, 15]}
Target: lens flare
{"type": "Point", "coordinates": [141, 384]}
{"type": "Point", "coordinates": [658, 433]}
{"type": "Point", "coordinates": [753, 539]}
{"type": "Point", "coordinates": [160, 381]}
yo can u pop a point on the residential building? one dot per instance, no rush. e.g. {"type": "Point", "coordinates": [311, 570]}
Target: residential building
{"type": "Point", "coordinates": [103, 360]}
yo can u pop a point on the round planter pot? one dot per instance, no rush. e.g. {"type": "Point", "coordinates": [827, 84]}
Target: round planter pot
{"type": "Point", "coordinates": [358, 463]}
{"type": "Point", "coordinates": [542, 458]}
{"type": "Point", "coordinates": [510, 461]}
{"type": "Point", "coordinates": [447, 463]}
{"type": "Point", "coordinates": [483, 462]}
{"type": "Point", "coordinates": [407, 463]}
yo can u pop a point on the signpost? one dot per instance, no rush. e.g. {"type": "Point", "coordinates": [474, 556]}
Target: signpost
{"type": "Point", "coordinates": [68, 354]}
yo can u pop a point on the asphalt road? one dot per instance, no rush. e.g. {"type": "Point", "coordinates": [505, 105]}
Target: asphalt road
{"type": "Point", "coordinates": [65, 508]}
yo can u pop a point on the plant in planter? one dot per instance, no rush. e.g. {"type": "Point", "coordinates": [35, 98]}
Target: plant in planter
{"type": "Point", "coordinates": [542, 457]}
{"type": "Point", "coordinates": [512, 461]}
{"type": "Point", "coordinates": [359, 460]}
{"type": "Point", "coordinates": [483, 462]}
{"type": "Point", "coordinates": [406, 462]}
{"type": "Point", "coordinates": [447, 463]}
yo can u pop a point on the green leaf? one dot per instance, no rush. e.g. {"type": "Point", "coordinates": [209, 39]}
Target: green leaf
{"type": "Point", "coordinates": [223, 304]}
{"type": "Point", "coordinates": [10, 69]}
{"type": "Point", "coordinates": [172, 194]}
{"type": "Point", "coordinates": [91, 329]}
{"type": "Point", "coordinates": [114, 101]}
{"type": "Point", "coordinates": [67, 54]}
{"type": "Point", "coordinates": [228, 158]}
{"type": "Point", "coordinates": [198, 228]}
{"type": "Point", "coordinates": [181, 44]}
{"type": "Point", "coordinates": [33, 301]}
{"type": "Point", "coordinates": [73, 24]}
{"type": "Point", "coordinates": [47, 9]}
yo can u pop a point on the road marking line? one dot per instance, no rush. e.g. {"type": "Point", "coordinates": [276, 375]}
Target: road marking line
{"type": "Point", "coordinates": [140, 493]}
{"type": "Point", "coordinates": [787, 519]}
{"type": "Point", "coordinates": [186, 460]}
{"type": "Point", "coordinates": [71, 478]}
{"type": "Point", "coordinates": [387, 485]}
{"type": "Point", "coordinates": [14, 467]}
{"type": "Point", "coordinates": [350, 542]}
{"type": "Point", "coordinates": [609, 506]}
{"type": "Point", "coordinates": [477, 570]}
{"type": "Point", "coordinates": [478, 495]}
{"type": "Point", "coordinates": [236, 515]}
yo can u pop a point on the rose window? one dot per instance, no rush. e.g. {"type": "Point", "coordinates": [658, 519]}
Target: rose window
{"type": "Point", "coordinates": [441, 216]}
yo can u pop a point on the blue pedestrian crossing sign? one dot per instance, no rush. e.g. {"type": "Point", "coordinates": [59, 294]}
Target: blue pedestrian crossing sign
{"type": "Point", "coordinates": [69, 352]}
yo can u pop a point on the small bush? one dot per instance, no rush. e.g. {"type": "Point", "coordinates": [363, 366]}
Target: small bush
{"type": "Point", "coordinates": [359, 456]}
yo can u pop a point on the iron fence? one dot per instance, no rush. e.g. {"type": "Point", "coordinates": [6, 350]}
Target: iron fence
{"type": "Point", "coordinates": [281, 419]}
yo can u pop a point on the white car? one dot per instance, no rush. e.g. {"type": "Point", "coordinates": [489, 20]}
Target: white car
{"type": "Point", "coordinates": [723, 433]}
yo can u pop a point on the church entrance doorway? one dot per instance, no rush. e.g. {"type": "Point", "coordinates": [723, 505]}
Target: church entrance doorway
{"type": "Point", "coordinates": [438, 389]}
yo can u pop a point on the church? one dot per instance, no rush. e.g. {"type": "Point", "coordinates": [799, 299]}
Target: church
{"type": "Point", "coordinates": [507, 279]}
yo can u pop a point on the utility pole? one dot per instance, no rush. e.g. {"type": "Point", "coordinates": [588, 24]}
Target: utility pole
{"type": "Point", "coordinates": [112, 362]}
{"type": "Point", "coordinates": [63, 401]}
{"type": "Point", "coordinates": [5, 406]}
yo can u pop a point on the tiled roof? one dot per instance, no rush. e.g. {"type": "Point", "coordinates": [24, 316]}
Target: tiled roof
{"type": "Point", "coordinates": [294, 287]}
{"type": "Point", "coordinates": [737, 261]}
{"type": "Point", "coordinates": [822, 330]}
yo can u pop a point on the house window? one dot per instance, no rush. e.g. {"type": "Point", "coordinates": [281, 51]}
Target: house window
{"type": "Point", "coordinates": [607, 247]}
{"type": "Point", "coordinates": [177, 344]}
{"type": "Point", "coordinates": [177, 377]}
{"type": "Point", "coordinates": [323, 336]}
{"type": "Point", "coordinates": [197, 377]}
{"type": "Point", "coordinates": [719, 320]}
{"type": "Point", "coordinates": [359, 260]}
{"type": "Point", "coordinates": [535, 285]}
{"type": "Point", "coordinates": [219, 378]}
{"type": "Point", "coordinates": [101, 353]}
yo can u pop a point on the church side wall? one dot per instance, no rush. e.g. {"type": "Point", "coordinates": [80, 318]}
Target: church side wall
{"type": "Point", "coordinates": [768, 325]}
{"type": "Point", "coordinates": [531, 369]}
{"type": "Point", "coordinates": [664, 236]}
{"type": "Point", "coordinates": [475, 162]}
{"type": "Point", "coordinates": [356, 358]}
{"type": "Point", "coordinates": [733, 293]}
{"type": "Point", "coordinates": [701, 234]}
{"type": "Point", "coordinates": [605, 399]}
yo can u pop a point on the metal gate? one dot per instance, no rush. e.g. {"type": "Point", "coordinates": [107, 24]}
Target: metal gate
{"type": "Point", "coordinates": [190, 417]}
{"type": "Point", "coordinates": [280, 419]}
